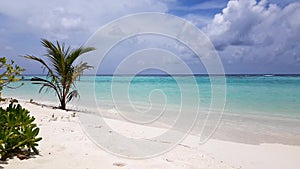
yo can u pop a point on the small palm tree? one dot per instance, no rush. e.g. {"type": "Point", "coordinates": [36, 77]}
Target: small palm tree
{"type": "Point", "coordinates": [62, 74]}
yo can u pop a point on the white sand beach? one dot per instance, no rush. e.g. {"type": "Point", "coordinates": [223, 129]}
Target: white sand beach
{"type": "Point", "coordinates": [66, 146]}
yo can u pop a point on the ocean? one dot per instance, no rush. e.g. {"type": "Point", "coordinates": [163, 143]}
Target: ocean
{"type": "Point", "coordinates": [257, 108]}
{"type": "Point", "coordinates": [245, 94]}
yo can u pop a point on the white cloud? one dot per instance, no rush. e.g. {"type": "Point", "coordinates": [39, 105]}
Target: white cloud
{"type": "Point", "coordinates": [62, 19]}
{"type": "Point", "coordinates": [198, 20]}
{"type": "Point", "coordinates": [247, 30]}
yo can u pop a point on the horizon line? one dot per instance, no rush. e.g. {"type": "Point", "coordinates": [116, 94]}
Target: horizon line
{"type": "Point", "coordinates": [195, 74]}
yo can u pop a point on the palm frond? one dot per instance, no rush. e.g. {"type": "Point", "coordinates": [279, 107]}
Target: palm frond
{"type": "Point", "coordinates": [50, 73]}
{"type": "Point", "coordinates": [71, 95]}
{"type": "Point", "coordinates": [76, 53]}
{"type": "Point", "coordinates": [78, 70]}
{"type": "Point", "coordinates": [55, 55]}
{"type": "Point", "coordinates": [46, 83]}
{"type": "Point", "coordinates": [41, 61]}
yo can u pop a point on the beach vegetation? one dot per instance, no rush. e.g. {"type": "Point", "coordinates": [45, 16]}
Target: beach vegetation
{"type": "Point", "coordinates": [9, 72]}
{"type": "Point", "coordinates": [18, 132]}
{"type": "Point", "coordinates": [61, 72]}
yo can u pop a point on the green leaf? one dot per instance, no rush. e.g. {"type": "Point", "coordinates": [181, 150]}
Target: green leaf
{"type": "Point", "coordinates": [17, 132]}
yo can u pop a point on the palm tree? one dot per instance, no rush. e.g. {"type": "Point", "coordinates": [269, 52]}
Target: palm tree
{"type": "Point", "coordinates": [62, 74]}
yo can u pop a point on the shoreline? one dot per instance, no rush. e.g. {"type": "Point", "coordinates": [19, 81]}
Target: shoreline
{"type": "Point", "coordinates": [251, 129]}
{"type": "Point", "coordinates": [65, 145]}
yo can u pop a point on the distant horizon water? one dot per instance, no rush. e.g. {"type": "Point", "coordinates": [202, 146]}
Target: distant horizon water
{"type": "Point", "coordinates": [275, 95]}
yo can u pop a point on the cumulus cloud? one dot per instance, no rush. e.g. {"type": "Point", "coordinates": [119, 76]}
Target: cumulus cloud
{"type": "Point", "coordinates": [62, 19]}
{"type": "Point", "coordinates": [198, 20]}
{"type": "Point", "coordinates": [253, 30]}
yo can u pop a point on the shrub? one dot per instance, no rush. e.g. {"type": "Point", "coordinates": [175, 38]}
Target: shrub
{"type": "Point", "coordinates": [9, 73]}
{"type": "Point", "coordinates": [18, 133]}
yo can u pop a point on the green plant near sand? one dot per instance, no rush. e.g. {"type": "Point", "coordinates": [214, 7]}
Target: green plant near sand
{"type": "Point", "coordinates": [9, 72]}
{"type": "Point", "coordinates": [18, 133]}
{"type": "Point", "coordinates": [62, 74]}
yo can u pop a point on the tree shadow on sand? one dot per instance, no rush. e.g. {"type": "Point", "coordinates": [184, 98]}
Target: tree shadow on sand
{"type": "Point", "coordinates": [1, 164]}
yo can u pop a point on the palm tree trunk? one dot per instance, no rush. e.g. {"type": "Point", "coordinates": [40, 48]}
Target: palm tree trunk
{"type": "Point", "coordinates": [63, 103]}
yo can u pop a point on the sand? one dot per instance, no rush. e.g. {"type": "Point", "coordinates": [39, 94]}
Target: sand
{"type": "Point", "coordinates": [65, 145]}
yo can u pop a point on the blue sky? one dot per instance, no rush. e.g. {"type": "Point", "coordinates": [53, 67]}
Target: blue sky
{"type": "Point", "coordinates": [250, 36]}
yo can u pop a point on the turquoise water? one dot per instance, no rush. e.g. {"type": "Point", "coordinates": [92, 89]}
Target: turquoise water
{"type": "Point", "coordinates": [272, 96]}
